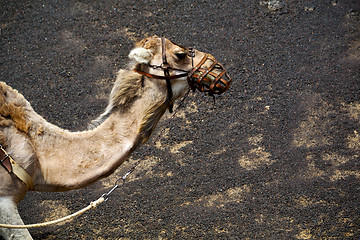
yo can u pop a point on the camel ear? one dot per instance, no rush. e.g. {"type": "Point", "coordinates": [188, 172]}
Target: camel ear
{"type": "Point", "coordinates": [140, 55]}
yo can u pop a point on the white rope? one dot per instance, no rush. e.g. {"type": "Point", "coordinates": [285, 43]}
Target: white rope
{"type": "Point", "coordinates": [91, 205]}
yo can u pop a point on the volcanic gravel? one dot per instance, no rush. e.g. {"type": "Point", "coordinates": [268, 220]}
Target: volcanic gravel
{"type": "Point", "coordinates": [276, 156]}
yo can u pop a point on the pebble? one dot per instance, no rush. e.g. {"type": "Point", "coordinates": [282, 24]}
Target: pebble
{"type": "Point", "coordinates": [309, 9]}
{"type": "Point", "coordinates": [273, 5]}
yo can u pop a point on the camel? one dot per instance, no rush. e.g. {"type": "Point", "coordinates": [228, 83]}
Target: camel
{"type": "Point", "coordinates": [55, 159]}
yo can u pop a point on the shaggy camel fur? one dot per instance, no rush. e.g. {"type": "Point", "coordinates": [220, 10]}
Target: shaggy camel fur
{"type": "Point", "coordinates": [60, 160]}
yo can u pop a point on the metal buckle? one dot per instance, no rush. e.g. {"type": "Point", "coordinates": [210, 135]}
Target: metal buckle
{"type": "Point", "coordinates": [165, 66]}
{"type": "Point", "coordinates": [191, 52]}
{"type": "Point", "coordinates": [6, 154]}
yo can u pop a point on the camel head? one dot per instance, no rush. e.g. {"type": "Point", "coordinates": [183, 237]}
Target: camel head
{"type": "Point", "coordinates": [180, 66]}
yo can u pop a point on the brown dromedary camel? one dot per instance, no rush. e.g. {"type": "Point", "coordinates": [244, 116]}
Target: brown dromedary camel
{"type": "Point", "coordinates": [55, 159]}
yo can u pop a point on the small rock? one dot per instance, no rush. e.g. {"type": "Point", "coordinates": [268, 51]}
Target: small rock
{"type": "Point", "coordinates": [273, 5]}
{"type": "Point", "coordinates": [309, 9]}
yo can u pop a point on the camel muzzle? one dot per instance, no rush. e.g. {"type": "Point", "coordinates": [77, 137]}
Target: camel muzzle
{"type": "Point", "coordinates": [212, 79]}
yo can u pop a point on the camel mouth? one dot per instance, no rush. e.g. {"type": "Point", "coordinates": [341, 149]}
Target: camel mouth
{"type": "Point", "coordinates": [212, 78]}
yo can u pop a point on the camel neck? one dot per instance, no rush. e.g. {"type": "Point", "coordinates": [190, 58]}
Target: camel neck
{"type": "Point", "coordinates": [70, 160]}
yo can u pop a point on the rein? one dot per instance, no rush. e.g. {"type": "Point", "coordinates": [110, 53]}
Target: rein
{"type": "Point", "coordinates": [120, 182]}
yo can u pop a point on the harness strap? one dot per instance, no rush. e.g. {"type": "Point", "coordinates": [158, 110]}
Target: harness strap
{"type": "Point", "coordinates": [12, 167]}
{"type": "Point", "coordinates": [161, 77]}
{"type": "Point", "coordinates": [166, 66]}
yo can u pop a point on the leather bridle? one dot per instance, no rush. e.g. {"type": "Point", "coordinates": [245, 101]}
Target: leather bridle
{"type": "Point", "coordinates": [199, 78]}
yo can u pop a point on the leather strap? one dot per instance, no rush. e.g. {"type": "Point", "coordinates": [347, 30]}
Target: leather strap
{"type": "Point", "coordinates": [5, 160]}
{"type": "Point", "coordinates": [12, 167]}
{"type": "Point", "coordinates": [166, 66]}
{"type": "Point", "coordinates": [161, 77]}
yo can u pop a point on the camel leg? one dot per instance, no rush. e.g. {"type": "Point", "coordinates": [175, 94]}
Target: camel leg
{"type": "Point", "coordinates": [9, 215]}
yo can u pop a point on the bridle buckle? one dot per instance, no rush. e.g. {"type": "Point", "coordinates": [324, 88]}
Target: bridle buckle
{"type": "Point", "coordinates": [165, 66]}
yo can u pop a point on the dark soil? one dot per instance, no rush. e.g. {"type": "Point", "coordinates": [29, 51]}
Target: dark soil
{"type": "Point", "coordinates": [277, 157]}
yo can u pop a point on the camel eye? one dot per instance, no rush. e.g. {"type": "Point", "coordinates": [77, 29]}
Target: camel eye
{"type": "Point", "coordinates": [181, 55]}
